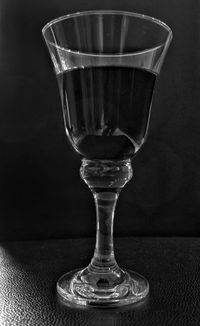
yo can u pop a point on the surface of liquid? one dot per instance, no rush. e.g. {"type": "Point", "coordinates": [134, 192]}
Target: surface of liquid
{"type": "Point", "coordinates": [106, 109]}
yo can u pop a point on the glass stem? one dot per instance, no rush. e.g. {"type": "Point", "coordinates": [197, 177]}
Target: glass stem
{"type": "Point", "coordinates": [106, 179]}
{"type": "Point", "coordinates": [104, 253]}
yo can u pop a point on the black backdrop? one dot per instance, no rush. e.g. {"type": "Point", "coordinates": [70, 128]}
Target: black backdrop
{"type": "Point", "coordinates": [41, 193]}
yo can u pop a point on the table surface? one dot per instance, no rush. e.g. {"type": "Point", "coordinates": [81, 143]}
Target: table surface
{"type": "Point", "coordinates": [29, 271]}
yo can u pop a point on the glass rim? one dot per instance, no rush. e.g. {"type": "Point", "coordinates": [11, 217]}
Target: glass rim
{"type": "Point", "coordinates": [107, 12]}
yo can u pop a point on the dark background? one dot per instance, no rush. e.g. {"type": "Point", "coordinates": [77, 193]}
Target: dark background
{"type": "Point", "coordinates": [41, 193]}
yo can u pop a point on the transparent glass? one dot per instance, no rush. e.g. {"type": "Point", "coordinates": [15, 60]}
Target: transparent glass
{"type": "Point", "coordinates": [106, 63]}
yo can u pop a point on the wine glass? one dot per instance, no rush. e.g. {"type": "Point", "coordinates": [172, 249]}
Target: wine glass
{"type": "Point", "coordinates": [106, 63]}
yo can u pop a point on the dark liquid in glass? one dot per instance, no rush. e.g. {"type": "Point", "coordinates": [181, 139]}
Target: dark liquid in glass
{"type": "Point", "coordinates": [106, 109]}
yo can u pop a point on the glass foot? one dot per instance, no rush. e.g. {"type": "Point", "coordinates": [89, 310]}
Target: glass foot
{"type": "Point", "coordinates": [83, 287]}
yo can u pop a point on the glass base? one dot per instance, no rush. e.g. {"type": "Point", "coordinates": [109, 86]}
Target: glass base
{"type": "Point", "coordinates": [74, 288]}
